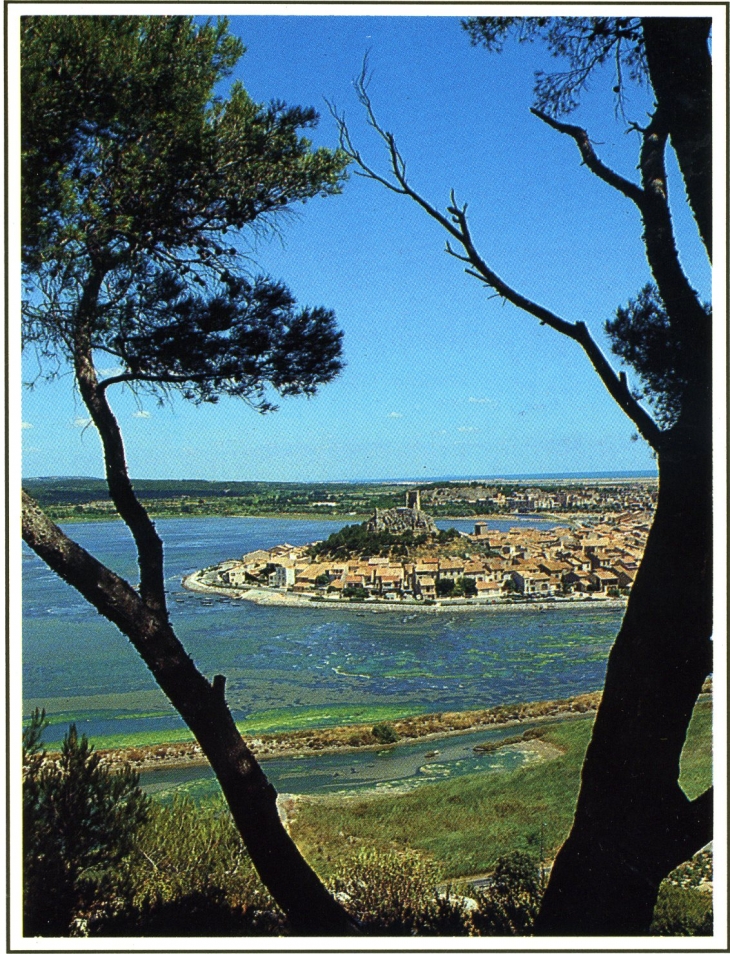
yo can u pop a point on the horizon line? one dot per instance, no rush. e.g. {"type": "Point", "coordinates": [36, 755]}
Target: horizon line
{"type": "Point", "coordinates": [537, 475]}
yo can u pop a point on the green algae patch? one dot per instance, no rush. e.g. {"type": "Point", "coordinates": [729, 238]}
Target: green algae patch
{"type": "Point", "coordinates": [137, 740]}
{"type": "Point", "coordinates": [296, 718]}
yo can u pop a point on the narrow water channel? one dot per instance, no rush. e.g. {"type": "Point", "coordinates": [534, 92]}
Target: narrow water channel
{"type": "Point", "coordinates": [397, 768]}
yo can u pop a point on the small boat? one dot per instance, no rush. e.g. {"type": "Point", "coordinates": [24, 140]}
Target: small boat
{"type": "Point", "coordinates": [432, 755]}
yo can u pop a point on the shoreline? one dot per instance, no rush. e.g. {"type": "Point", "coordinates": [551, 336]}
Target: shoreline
{"type": "Point", "coordinates": [554, 516]}
{"type": "Point", "coordinates": [268, 596]}
{"type": "Point", "coordinates": [358, 737]}
{"type": "Point", "coordinates": [569, 517]}
{"type": "Point", "coordinates": [426, 727]}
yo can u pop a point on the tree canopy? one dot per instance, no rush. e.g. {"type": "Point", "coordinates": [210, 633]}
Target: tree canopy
{"type": "Point", "coordinates": [676, 63]}
{"type": "Point", "coordinates": [583, 44]}
{"type": "Point", "coordinates": [139, 183]}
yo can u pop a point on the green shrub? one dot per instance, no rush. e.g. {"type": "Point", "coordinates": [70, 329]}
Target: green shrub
{"type": "Point", "coordinates": [511, 902]}
{"type": "Point", "coordinates": [206, 913]}
{"type": "Point", "coordinates": [445, 587]}
{"type": "Point", "coordinates": [465, 586]}
{"type": "Point", "coordinates": [356, 593]}
{"type": "Point", "coordinates": [385, 733]}
{"type": "Point", "coordinates": [190, 874]}
{"type": "Point", "coordinates": [79, 824]}
{"type": "Point", "coordinates": [682, 912]}
{"type": "Point", "coordinates": [394, 894]}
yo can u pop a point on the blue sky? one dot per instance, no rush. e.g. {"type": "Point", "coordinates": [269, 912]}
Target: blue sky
{"type": "Point", "coordinates": [441, 379]}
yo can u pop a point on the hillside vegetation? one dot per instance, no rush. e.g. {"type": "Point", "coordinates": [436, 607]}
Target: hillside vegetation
{"type": "Point", "coordinates": [395, 859]}
{"type": "Point", "coordinates": [357, 540]}
{"type": "Point", "coordinates": [465, 824]}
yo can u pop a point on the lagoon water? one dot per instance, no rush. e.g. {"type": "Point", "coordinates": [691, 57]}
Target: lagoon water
{"type": "Point", "coordinates": [310, 666]}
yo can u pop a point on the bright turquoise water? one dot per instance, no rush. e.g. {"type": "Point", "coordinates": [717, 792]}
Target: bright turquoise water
{"type": "Point", "coordinates": [290, 660]}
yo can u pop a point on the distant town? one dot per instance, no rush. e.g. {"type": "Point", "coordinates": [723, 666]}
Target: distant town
{"type": "Point", "coordinates": [87, 498]}
{"type": "Point", "coordinates": [568, 497]}
{"type": "Point", "coordinates": [594, 557]}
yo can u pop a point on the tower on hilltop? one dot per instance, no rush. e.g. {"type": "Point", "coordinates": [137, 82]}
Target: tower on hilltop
{"type": "Point", "coordinates": [413, 499]}
{"type": "Point", "coordinates": [403, 519]}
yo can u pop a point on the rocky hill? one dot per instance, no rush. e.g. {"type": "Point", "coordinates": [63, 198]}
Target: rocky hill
{"type": "Point", "coordinates": [401, 520]}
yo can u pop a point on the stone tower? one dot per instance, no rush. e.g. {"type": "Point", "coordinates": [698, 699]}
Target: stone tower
{"type": "Point", "coordinates": [413, 499]}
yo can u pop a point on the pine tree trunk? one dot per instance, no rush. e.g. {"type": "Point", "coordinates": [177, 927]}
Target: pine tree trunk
{"type": "Point", "coordinates": [633, 824]}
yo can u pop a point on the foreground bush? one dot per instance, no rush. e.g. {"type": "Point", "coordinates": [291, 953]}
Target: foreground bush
{"type": "Point", "coordinates": [190, 875]}
{"type": "Point", "coordinates": [79, 826]}
{"type": "Point", "coordinates": [510, 904]}
{"type": "Point", "coordinates": [394, 894]}
{"type": "Point", "coordinates": [102, 858]}
{"type": "Point", "coordinates": [682, 912]}
{"type": "Point", "coordinates": [206, 913]}
{"type": "Point", "coordinates": [397, 893]}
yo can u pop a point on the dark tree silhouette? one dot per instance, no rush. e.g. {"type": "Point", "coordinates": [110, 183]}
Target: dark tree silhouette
{"type": "Point", "coordinates": [137, 184]}
{"type": "Point", "coordinates": [633, 823]}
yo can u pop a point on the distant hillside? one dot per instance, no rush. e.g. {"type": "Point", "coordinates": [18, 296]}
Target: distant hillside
{"type": "Point", "coordinates": [73, 490]}
{"type": "Point", "coordinates": [88, 497]}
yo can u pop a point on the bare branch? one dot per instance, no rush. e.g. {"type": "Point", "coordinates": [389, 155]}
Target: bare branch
{"type": "Point", "coordinates": [588, 153]}
{"type": "Point", "coordinates": [348, 147]}
{"type": "Point", "coordinates": [450, 251]}
{"type": "Point", "coordinates": [457, 225]}
{"type": "Point", "coordinates": [680, 299]}
{"type": "Point", "coordinates": [617, 386]}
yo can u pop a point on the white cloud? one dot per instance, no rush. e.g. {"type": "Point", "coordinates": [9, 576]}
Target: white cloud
{"type": "Point", "coordinates": [26, 425]}
{"type": "Point", "coordinates": [467, 430]}
{"type": "Point", "coordinates": [475, 400]}
{"type": "Point", "coordinates": [82, 421]}
{"type": "Point", "coordinates": [141, 414]}
{"type": "Point", "coordinates": [395, 414]}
